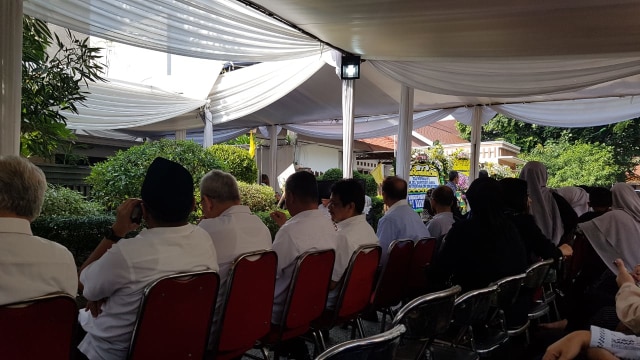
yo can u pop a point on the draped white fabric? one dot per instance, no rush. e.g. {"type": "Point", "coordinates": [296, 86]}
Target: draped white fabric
{"type": "Point", "coordinates": [213, 29]}
{"type": "Point", "coordinates": [244, 91]}
{"type": "Point", "coordinates": [120, 105]}
{"type": "Point", "coordinates": [465, 114]}
{"type": "Point", "coordinates": [366, 127]}
{"type": "Point", "coordinates": [574, 113]}
{"type": "Point", "coordinates": [508, 77]}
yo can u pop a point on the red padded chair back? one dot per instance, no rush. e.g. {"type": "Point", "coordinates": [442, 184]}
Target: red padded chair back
{"type": "Point", "coordinates": [309, 289]}
{"type": "Point", "coordinates": [421, 258]}
{"type": "Point", "coordinates": [358, 281]}
{"type": "Point", "coordinates": [393, 280]}
{"type": "Point", "coordinates": [247, 314]}
{"type": "Point", "coordinates": [40, 328]}
{"type": "Point", "coordinates": [174, 317]}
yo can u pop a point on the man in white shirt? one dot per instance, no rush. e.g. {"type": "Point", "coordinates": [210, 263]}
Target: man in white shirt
{"type": "Point", "coordinates": [308, 229]}
{"type": "Point", "coordinates": [232, 227]}
{"type": "Point", "coordinates": [31, 266]}
{"type": "Point", "coordinates": [400, 221]}
{"type": "Point", "coordinates": [116, 273]}
{"type": "Point", "coordinates": [442, 200]}
{"type": "Point", "coordinates": [346, 206]}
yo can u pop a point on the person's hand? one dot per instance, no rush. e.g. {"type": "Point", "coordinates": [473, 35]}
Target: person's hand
{"type": "Point", "coordinates": [623, 275]}
{"type": "Point", "coordinates": [636, 273]}
{"type": "Point", "coordinates": [279, 217]}
{"type": "Point", "coordinates": [569, 346]}
{"type": "Point", "coordinates": [95, 307]}
{"type": "Point", "coordinates": [566, 250]}
{"type": "Point", "coordinates": [123, 224]}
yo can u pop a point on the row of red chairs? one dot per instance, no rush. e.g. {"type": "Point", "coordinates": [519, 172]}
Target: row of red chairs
{"type": "Point", "coordinates": [176, 311]}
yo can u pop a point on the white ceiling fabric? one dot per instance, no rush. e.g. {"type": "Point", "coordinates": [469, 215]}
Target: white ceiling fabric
{"type": "Point", "coordinates": [247, 90]}
{"type": "Point", "coordinates": [508, 77]}
{"type": "Point", "coordinates": [119, 105]}
{"type": "Point", "coordinates": [213, 29]}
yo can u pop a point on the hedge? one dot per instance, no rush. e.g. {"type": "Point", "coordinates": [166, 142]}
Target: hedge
{"type": "Point", "coordinates": [236, 161]}
{"type": "Point", "coordinates": [61, 201]}
{"type": "Point", "coordinates": [257, 197]}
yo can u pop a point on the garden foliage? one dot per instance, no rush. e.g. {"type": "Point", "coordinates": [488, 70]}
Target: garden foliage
{"type": "Point", "coordinates": [61, 201]}
{"type": "Point", "coordinates": [236, 161]}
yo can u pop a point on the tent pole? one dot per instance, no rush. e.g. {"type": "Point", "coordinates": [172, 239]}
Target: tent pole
{"type": "Point", "coordinates": [10, 76]}
{"type": "Point", "coordinates": [348, 87]}
{"type": "Point", "coordinates": [476, 141]}
{"type": "Point", "coordinates": [181, 134]}
{"type": "Point", "coordinates": [207, 135]}
{"type": "Point", "coordinates": [405, 127]}
{"type": "Point", "coordinates": [273, 159]}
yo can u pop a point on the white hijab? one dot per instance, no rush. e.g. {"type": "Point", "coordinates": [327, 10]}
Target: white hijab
{"type": "Point", "coordinates": [577, 197]}
{"type": "Point", "coordinates": [543, 207]}
{"type": "Point", "coordinates": [616, 234]}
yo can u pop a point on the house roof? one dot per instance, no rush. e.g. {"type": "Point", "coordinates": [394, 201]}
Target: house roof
{"type": "Point", "coordinates": [444, 131]}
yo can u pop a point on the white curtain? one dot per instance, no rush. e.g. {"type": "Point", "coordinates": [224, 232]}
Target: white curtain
{"type": "Point", "coordinates": [508, 77]}
{"type": "Point", "coordinates": [366, 127]}
{"type": "Point", "coordinates": [465, 114]}
{"type": "Point", "coordinates": [247, 90]}
{"type": "Point", "coordinates": [574, 113]}
{"type": "Point", "coordinates": [212, 29]}
{"type": "Point", "coordinates": [119, 105]}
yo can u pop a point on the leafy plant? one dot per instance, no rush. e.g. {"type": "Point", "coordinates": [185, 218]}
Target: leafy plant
{"type": "Point", "coordinates": [267, 220]}
{"type": "Point", "coordinates": [377, 208]}
{"type": "Point", "coordinates": [51, 83]}
{"type": "Point", "coordinates": [257, 197]}
{"type": "Point", "coordinates": [236, 161]}
{"type": "Point", "coordinates": [121, 176]}
{"type": "Point", "coordinates": [61, 201]}
{"type": "Point", "coordinates": [79, 234]}
{"type": "Point", "coordinates": [371, 187]}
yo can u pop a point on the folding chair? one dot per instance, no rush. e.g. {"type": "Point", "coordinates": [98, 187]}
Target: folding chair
{"type": "Point", "coordinates": [508, 303]}
{"type": "Point", "coordinates": [306, 298]}
{"type": "Point", "coordinates": [535, 276]}
{"type": "Point", "coordinates": [421, 258]}
{"type": "Point", "coordinates": [378, 347]}
{"type": "Point", "coordinates": [246, 315]}
{"type": "Point", "coordinates": [38, 328]}
{"type": "Point", "coordinates": [392, 282]}
{"type": "Point", "coordinates": [354, 295]}
{"type": "Point", "coordinates": [425, 317]}
{"type": "Point", "coordinates": [175, 316]}
{"type": "Point", "coordinates": [471, 316]}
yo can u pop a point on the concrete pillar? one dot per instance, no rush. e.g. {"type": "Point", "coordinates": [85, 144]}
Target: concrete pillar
{"type": "Point", "coordinates": [10, 75]}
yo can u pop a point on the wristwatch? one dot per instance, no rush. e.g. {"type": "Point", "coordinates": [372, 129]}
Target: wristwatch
{"type": "Point", "coordinates": [110, 235]}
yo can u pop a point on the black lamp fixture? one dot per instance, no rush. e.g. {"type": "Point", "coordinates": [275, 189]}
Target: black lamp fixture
{"type": "Point", "coordinates": [350, 67]}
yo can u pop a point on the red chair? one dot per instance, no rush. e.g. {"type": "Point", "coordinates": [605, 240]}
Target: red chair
{"type": "Point", "coordinates": [392, 283]}
{"type": "Point", "coordinates": [175, 316]}
{"type": "Point", "coordinates": [355, 292]}
{"type": "Point", "coordinates": [247, 310]}
{"type": "Point", "coordinates": [306, 298]}
{"type": "Point", "coordinates": [39, 328]}
{"type": "Point", "coordinates": [421, 258]}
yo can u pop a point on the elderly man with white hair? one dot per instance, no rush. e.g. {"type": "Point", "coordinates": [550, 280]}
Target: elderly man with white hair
{"type": "Point", "coordinates": [31, 266]}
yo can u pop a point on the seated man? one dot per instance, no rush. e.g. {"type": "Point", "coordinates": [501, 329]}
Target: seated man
{"type": "Point", "coordinates": [400, 221]}
{"type": "Point", "coordinates": [31, 266]}
{"type": "Point", "coordinates": [345, 206]}
{"type": "Point", "coordinates": [442, 199]}
{"type": "Point", "coordinates": [232, 227]}
{"type": "Point", "coordinates": [116, 273]}
{"type": "Point", "coordinates": [308, 229]}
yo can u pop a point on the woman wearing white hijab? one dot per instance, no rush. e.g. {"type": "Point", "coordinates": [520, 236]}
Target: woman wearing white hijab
{"type": "Point", "coordinates": [543, 206]}
{"type": "Point", "coordinates": [577, 197]}
{"type": "Point", "coordinates": [616, 234]}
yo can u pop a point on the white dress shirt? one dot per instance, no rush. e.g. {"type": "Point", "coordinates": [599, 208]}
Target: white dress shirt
{"type": "Point", "coordinates": [123, 272]}
{"type": "Point", "coordinates": [32, 266]}
{"type": "Point", "coordinates": [308, 230]}
{"type": "Point", "coordinates": [234, 232]}
{"type": "Point", "coordinates": [352, 233]}
{"type": "Point", "coordinates": [400, 222]}
{"type": "Point", "coordinates": [440, 224]}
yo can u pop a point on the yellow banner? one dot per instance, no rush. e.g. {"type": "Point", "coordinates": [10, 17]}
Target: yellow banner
{"type": "Point", "coordinates": [252, 145]}
{"type": "Point", "coordinates": [423, 170]}
{"type": "Point", "coordinates": [462, 165]}
{"type": "Point", "coordinates": [378, 174]}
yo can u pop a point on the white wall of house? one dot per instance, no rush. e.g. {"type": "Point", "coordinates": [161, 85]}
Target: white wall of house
{"type": "Point", "coordinates": [318, 157]}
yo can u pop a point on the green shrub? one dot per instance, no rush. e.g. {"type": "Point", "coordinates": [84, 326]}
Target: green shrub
{"type": "Point", "coordinates": [267, 220]}
{"type": "Point", "coordinates": [257, 197]}
{"type": "Point", "coordinates": [377, 208]}
{"type": "Point", "coordinates": [371, 187]}
{"type": "Point", "coordinates": [79, 234]}
{"type": "Point", "coordinates": [120, 177]}
{"type": "Point", "coordinates": [236, 161]}
{"type": "Point", "coordinates": [62, 201]}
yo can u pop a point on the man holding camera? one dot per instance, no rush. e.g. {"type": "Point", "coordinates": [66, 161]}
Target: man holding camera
{"type": "Point", "coordinates": [116, 273]}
